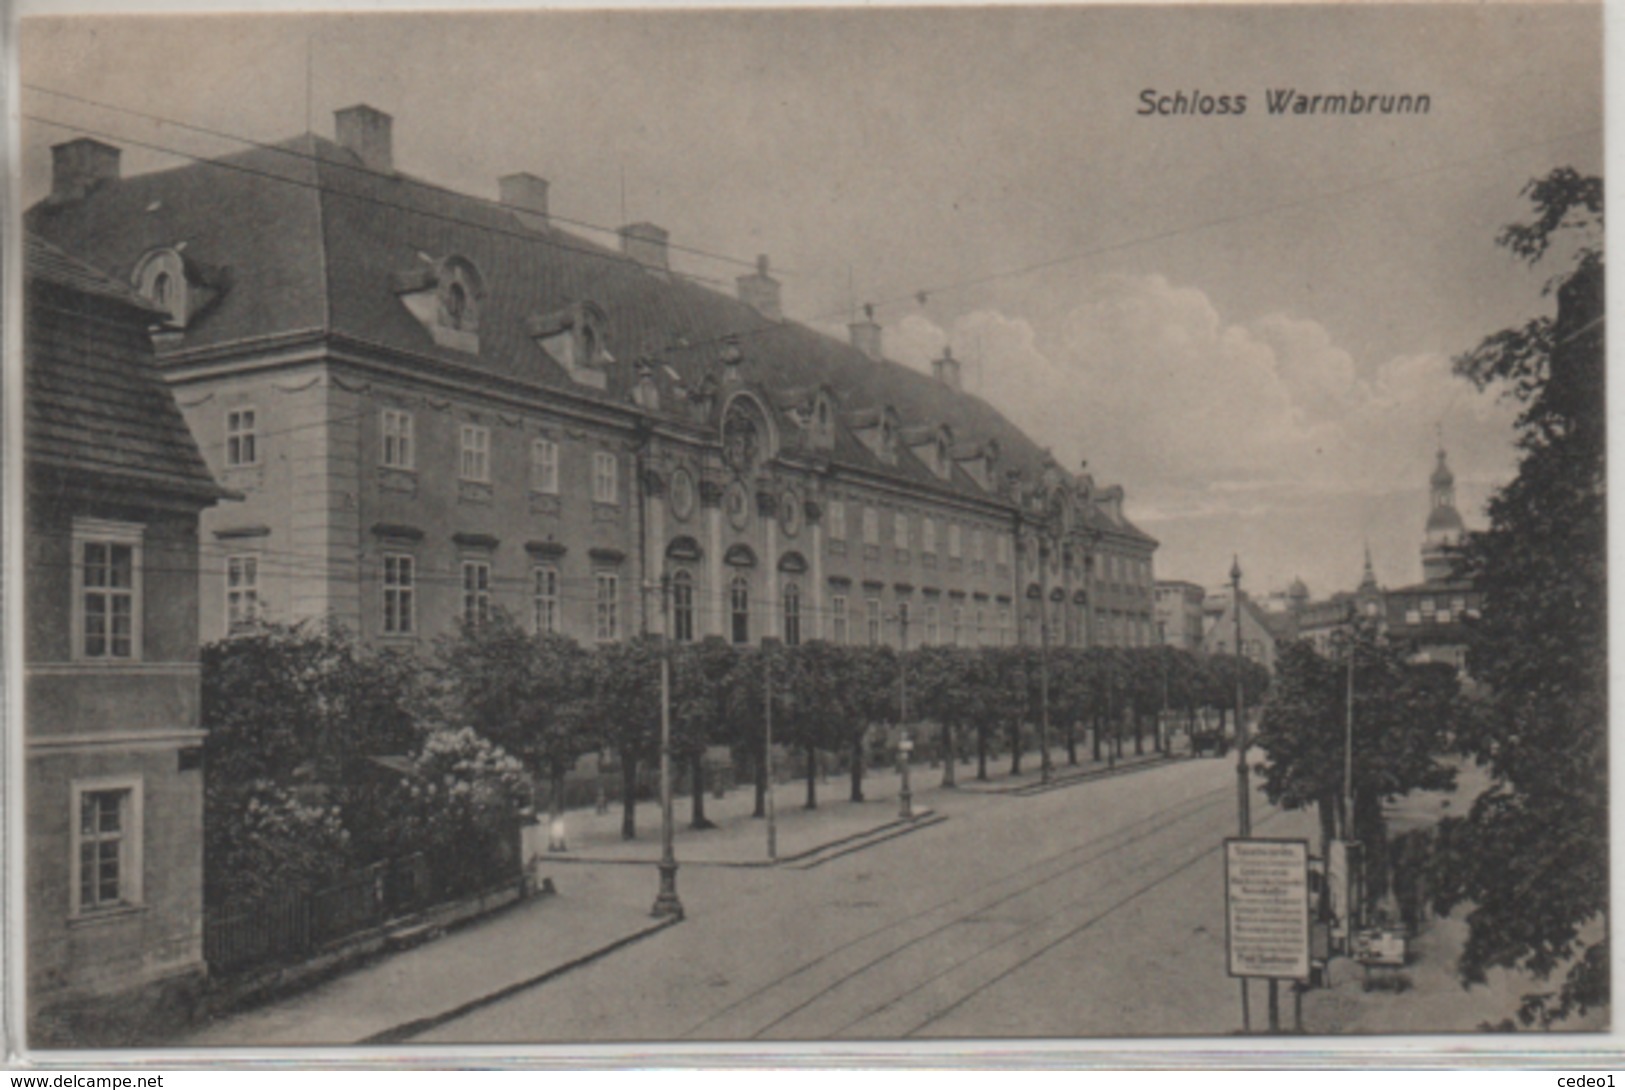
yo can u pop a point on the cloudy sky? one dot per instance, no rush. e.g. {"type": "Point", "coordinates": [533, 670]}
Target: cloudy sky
{"type": "Point", "coordinates": [1246, 320]}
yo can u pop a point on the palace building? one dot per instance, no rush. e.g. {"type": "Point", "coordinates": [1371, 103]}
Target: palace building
{"type": "Point", "coordinates": [435, 405]}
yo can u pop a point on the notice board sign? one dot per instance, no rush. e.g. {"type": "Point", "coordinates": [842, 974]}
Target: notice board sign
{"type": "Point", "coordinates": [1266, 908]}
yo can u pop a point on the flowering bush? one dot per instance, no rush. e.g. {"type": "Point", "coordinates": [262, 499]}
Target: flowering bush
{"type": "Point", "coordinates": [461, 804]}
{"type": "Point", "coordinates": [264, 838]}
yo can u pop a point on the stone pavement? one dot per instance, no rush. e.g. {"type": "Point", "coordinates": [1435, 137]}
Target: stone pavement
{"type": "Point", "coordinates": [595, 911]}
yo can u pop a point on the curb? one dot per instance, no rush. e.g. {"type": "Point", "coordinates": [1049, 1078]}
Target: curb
{"type": "Point", "coordinates": [1038, 787]}
{"type": "Point", "coordinates": [895, 827]}
{"type": "Point", "coordinates": [924, 820]}
{"type": "Point", "coordinates": [397, 1034]}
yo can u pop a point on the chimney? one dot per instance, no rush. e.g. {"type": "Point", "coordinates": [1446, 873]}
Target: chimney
{"type": "Point", "coordinates": [761, 291]}
{"type": "Point", "coordinates": [526, 197]}
{"type": "Point", "coordinates": [365, 131]}
{"type": "Point", "coordinates": [946, 369]}
{"type": "Point", "coordinates": [646, 244]}
{"type": "Point", "coordinates": [866, 334]}
{"type": "Point", "coordinates": [80, 167]}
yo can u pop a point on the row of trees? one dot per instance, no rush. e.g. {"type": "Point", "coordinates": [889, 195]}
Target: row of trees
{"type": "Point", "coordinates": [308, 730]}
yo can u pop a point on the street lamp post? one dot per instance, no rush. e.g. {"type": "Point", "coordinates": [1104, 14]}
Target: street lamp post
{"type": "Point", "coordinates": [666, 902]}
{"type": "Point", "coordinates": [1348, 732]}
{"type": "Point", "coordinates": [1162, 658]}
{"type": "Point", "coordinates": [767, 755]}
{"type": "Point", "coordinates": [1243, 794]}
{"type": "Point", "coordinates": [1043, 660]}
{"type": "Point", "coordinates": [905, 797]}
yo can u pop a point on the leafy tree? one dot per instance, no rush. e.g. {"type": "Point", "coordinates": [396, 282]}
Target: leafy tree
{"type": "Point", "coordinates": [700, 678]}
{"type": "Point", "coordinates": [625, 711]}
{"type": "Point", "coordinates": [460, 804]}
{"type": "Point", "coordinates": [816, 684]}
{"type": "Point", "coordinates": [527, 693]}
{"type": "Point", "coordinates": [942, 676]}
{"type": "Point", "coordinates": [1532, 855]}
{"type": "Point", "coordinates": [876, 699]}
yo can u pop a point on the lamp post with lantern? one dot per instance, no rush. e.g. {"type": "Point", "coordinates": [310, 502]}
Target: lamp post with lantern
{"type": "Point", "coordinates": [666, 902]}
{"type": "Point", "coordinates": [905, 797]}
{"type": "Point", "coordinates": [1243, 794]}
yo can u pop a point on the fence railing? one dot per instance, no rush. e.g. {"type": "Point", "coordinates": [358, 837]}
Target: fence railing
{"type": "Point", "coordinates": [292, 924]}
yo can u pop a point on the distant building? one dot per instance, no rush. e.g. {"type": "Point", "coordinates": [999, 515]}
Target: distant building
{"type": "Point", "coordinates": [1179, 614]}
{"type": "Point", "coordinates": [114, 486]}
{"type": "Point", "coordinates": [1258, 638]}
{"type": "Point", "coordinates": [1432, 614]}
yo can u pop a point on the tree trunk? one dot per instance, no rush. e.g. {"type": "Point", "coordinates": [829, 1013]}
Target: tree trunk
{"type": "Point", "coordinates": [629, 796]}
{"type": "Point", "coordinates": [1071, 741]}
{"type": "Point", "coordinates": [857, 766]}
{"type": "Point", "coordinates": [761, 782]}
{"type": "Point", "coordinates": [1094, 736]}
{"type": "Point", "coordinates": [812, 778]}
{"type": "Point", "coordinates": [1015, 749]}
{"type": "Point", "coordinates": [948, 755]}
{"type": "Point", "coordinates": [696, 776]}
{"type": "Point", "coordinates": [981, 751]}
{"type": "Point", "coordinates": [1139, 736]}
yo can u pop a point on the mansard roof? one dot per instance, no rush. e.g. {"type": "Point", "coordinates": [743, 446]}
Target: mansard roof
{"type": "Point", "coordinates": [315, 243]}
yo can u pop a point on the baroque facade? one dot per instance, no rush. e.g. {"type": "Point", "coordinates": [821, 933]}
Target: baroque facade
{"type": "Point", "coordinates": [435, 406]}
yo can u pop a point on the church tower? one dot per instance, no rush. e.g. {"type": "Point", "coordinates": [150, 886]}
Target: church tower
{"type": "Point", "coordinates": [1444, 527]}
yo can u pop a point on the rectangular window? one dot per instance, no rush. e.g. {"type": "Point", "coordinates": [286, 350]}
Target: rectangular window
{"type": "Point", "coordinates": [954, 542]}
{"type": "Point", "coordinates": [545, 598]}
{"type": "Point", "coordinates": [1002, 553]}
{"type": "Point", "coordinates": [605, 477]}
{"type": "Point", "coordinates": [682, 607]}
{"type": "Point", "coordinates": [837, 520]}
{"type": "Point", "coordinates": [398, 594]}
{"type": "Point", "coordinates": [933, 634]}
{"type": "Point", "coordinates": [607, 624]}
{"type": "Point", "coordinates": [838, 619]}
{"type": "Point", "coordinates": [1427, 605]}
{"type": "Point", "coordinates": [902, 625]}
{"type": "Point", "coordinates": [476, 591]}
{"type": "Point", "coordinates": [544, 466]}
{"type": "Point", "coordinates": [955, 633]}
{"type": "Point", "coordinates": [241, 448]}
{"type": "Point", "coordinates": [872, 620]}
{"type": "Point", "coordinates": [476, 461]}
{"type": "Point", "coordinates": [978, 546]}
{"type": "Point", "coordinates": [900, 531]}
{"type": "Point", "coordinates": [928, 536]}
{"type": "Point", "coordinates": [871, 526]}
{"type": "Point", "coordinates": [242, 592]}
{"type": "Point", "coordinates": [976, 636]}
{"type": "Point", "coordinates": [107, 590]}
{"type": "Point", "coordinates": [106, 845]}
{"type": "Point", "coordinates": [1004, 623]}
{"type": "Point", "coordinates": [396, 430]}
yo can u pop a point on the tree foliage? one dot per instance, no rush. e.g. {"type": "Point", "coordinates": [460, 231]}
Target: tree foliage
{"type": "Point", "coordinates": [1532, 855]}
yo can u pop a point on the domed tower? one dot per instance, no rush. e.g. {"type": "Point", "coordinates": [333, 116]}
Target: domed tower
{"type": "Point", "coordinates": [1444, 528]}
{"type": "Point", "coordinates": [1297, 596]}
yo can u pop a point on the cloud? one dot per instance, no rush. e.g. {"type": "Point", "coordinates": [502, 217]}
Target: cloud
{"type": "Point", "coordinates": [1215, 426]}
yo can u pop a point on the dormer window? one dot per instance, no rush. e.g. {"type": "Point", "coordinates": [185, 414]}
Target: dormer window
{"type": "Point", "coordinates": [445, 298]}
{"type": "Point", "coordinates": [160, 290]}
{"type": "Point", "coordinates": [573, 337]}
{"type": "Point", "coordinates": [160, 277]}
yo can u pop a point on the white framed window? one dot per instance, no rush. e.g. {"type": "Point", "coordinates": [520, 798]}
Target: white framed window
{"type": "Point", "coordinates": [242, 446]}
{"type": "Point", "coordinates": [838, 619]}
{"type": "Point", "coordinates": [398, 448]}
{"type": "Point", "coordinates": [682, 607]}
{"type": "Point", "coordinates": [399, 593]}
{"type": "Point", "coordinates": [242, 592]}
{"type": "Point", "coordinates": [837, 520]}
{"type": "Point", "coordinates": [792, 615]}
{"type": "Point", "coordinates": [979, 633]}
{"type": "Point", "coordinates": [1427, 605]}
{"type": "Point", "coordinates": [933, 632]}
{"type": "Point", "coordinates": [928, 536]}
{"type": "Point", "coordinates": [1412, 617]}
{"type": "Point", "coordinates": [1004, 637]}
{"type": "Point", "coordinates": [900, 531]}
{"type": "Point", "coordinates": [978, 546]}
{"type": "Point", "coordinates": [902, 625]}
{"type": "Point", "coordinates": [872, 620]}
{"type": "Point", "coordinates": [606, 606]}
{"type": "Point", "coordinates": [956, 631]}
{"type": "Point", "coordinates": [544, 466]}
{"type": "Point", "coordinates": [106, 590]}
{"type": "Point", "coordinates": [476, 454]}
{"type": "Point", "coordinates": [1002, 550]}
{"type": "Point", "coordinates": [871, 526]}
{"type": "Point", "coordinates": [544, 589]}
{"type": "Point", "coordinates": [605, 477]}
{"type": "Point", "coordinates": [476, 591]}
{"type": "Point", "coordinates": [106, 861]}
{"type": "Point", "coordinates": [955, 545]}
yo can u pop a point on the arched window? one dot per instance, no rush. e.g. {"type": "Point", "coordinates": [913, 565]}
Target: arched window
{"type": "Point", "coordinates": [682, 607]}
{"type": "Point", "coordinates": [456, 305]}
{"type": "Point", "coordinates": [160, 290]}
{"type": "Point", "coordinates": [792, 615]}
{"type": "Point", "coordinates": [739, 601]}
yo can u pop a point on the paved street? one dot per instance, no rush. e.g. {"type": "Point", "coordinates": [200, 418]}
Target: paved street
{"type": "Point", "coordinates": [1092, 910]}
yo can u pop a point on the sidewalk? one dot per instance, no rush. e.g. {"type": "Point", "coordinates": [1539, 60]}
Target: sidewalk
{"type": "Point", "coordinates": [596, 911]}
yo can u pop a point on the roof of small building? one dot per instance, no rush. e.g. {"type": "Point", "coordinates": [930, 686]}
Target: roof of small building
{"type": "Point", "coordinates": [314, 242]}
{"type": "Point", "coordinates": [96, 403]}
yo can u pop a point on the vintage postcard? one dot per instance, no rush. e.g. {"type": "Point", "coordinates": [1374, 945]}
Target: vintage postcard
{"type": "Point", "coordinates": [1072, 526]}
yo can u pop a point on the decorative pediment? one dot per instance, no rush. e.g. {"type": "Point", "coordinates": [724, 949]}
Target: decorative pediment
{"type": "Point", "coordinates": [684, 548]}
{"type": "Point", "coordinates": [740, 556]}
{"type": "Point", "coordinates": [793, 563]}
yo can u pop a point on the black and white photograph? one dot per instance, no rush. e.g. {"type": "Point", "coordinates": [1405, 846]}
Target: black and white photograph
{"type": "Point", "coordinates": [1050, 526]}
